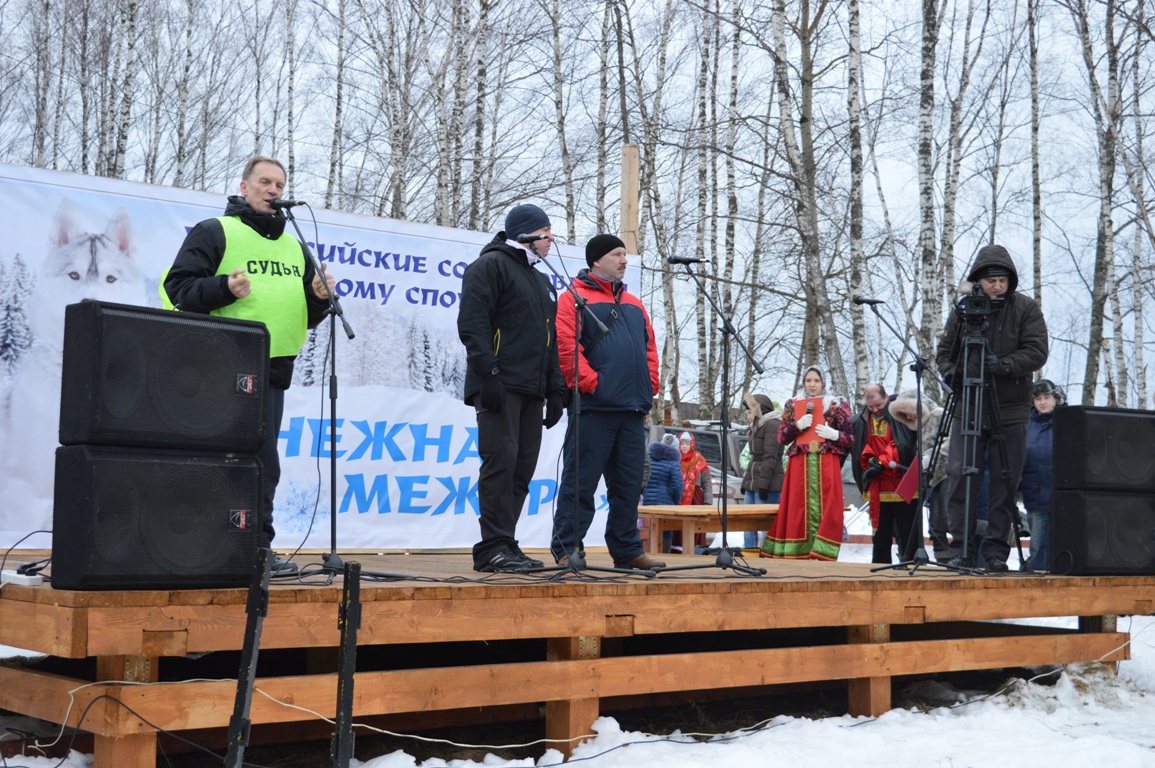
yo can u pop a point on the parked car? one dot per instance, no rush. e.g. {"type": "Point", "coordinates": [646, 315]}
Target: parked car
{"type": "Point", "coordinates": [708, 439]}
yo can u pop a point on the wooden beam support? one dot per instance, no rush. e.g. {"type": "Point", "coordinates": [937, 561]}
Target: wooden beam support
{"type": "Point", "coordinates": [124, 749]}
{"type": "Point", "coordinates": [183, 706]}
{"type": "Point", "coordinates": [568, 719]}
{"type": "Point", "coordinates": [868, 696]}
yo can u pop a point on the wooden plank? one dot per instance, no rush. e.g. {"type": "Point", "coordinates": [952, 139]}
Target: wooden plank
{"type": "Point", "coordinates": [181, 706]}
{"type": "Point", "coordinates": [40, 694]}
{"type": "Point", "coordinates": [40, 627]}
{"type": "Point", "coordinates": [671, 606]}
{"type": "Point", "coordinates": [630, 212]}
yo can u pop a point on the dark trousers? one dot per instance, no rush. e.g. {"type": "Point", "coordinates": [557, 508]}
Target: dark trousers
{"type": "Point", "coordinates": [508, 442]}
{"type": "Point", "coordinates": [996, 542]}
{"type": "Point", "coordinates": [270, 461]}
{"type": "Point", "coordinates": [937, 520]}
{"type": "Point", "coordinates": [895, 522]}
{"type": "Point", "coordinates": [610, 444]}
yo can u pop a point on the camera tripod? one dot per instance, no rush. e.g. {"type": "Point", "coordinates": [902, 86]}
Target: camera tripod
{"type": "Point", "coordinates": [980, 413]}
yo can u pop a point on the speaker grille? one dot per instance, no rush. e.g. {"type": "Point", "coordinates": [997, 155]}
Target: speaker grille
{"type": "Point", "coordinates": [1107, 449]}
{"type": "Point", "coordinates": [125, 518]}
{"type": "Point", "coordinates": [151, 378]}
{"type": "Point", "coordinates": [1101, 533]}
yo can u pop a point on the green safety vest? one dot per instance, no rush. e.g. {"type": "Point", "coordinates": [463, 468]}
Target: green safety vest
{"type": "Point", "coordinates": [276, 275]}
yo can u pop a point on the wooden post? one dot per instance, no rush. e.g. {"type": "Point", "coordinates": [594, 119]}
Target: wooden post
{"type": "Point", "coordinates": [566, 720]}
{"type": "Point", "coordinates": [1096, 624]}
{"type": "Point", "coordinates": [137, 750]}
{"type": "Point", "coordinates": [631, 172]}
{"type": "Point", "coordinates": [868, 695]}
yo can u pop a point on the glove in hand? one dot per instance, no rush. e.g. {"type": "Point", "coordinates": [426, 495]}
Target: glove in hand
{"type": "Point", "coordinates": [871, 473]}
{"type": "Point", "coordinates": [803, 423]}
{"type": "Point", "coordinates": [492, 394]}
{"type": "Point", "coordinates": [764, 496]}
{"type": "Point", "coordinates": [826, 432]}
{"type": "Point", "coordinates": [553, 408]}
{"type": "Point", "coordinates": [997, 365]}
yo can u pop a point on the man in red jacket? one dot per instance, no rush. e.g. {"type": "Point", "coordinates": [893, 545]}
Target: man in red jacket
{"type": "Point", "coordinates": [617, 374]}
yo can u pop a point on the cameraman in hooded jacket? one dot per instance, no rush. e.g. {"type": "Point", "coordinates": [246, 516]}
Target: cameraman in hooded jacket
{"type": "Point", "coordinates": [1016, 339]}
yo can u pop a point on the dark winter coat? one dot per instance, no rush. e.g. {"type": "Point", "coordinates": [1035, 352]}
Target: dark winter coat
{"type": "Point", "coordinates": [765, 472]}
{"type": "Point", "coordinates": [506, 322]}
{"type": "Point", "coordinates": [619, 371]}
{"type": "Point", "coordinates": [1039, 469]}
{"type": "Point", "coordinates": [1016, 332]}
{"type": "Point", "coordinates": [193, 285]}
{"type": "Point", "coordinates": [665, 483]}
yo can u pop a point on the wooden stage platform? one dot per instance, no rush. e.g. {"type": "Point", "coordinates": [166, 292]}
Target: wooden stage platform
{"type": "Point", "coordinates": [450, 646]}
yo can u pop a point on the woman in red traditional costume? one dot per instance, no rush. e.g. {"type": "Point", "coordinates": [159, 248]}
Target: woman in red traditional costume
{"type": "Point", "coordinates": [809, 521]}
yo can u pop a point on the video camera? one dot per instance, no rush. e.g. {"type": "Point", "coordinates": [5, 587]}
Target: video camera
{"type": "Point", "coordinates": [976, 304]}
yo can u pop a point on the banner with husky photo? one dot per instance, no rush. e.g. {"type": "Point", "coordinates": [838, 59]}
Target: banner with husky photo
{"type": "Point", "coordinates": [406, 444]}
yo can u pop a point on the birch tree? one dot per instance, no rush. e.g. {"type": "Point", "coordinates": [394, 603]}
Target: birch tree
{"type": "Point", "coordinates": [1105, 110]}
{"type": "Point", "coordinates": [932, 288]}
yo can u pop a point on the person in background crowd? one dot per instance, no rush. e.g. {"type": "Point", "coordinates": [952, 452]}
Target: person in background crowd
{"type": "Point", "coordinates": [810, 511]}
{"type": "Point", "coordinates": [696, 488]}
{"type": "Point", "coordinates": [665, 482]}
{"type": "Point", "coordinates": [883, 450]}
{"type": "Point", "coordinates": [506, 322]}
{"type": "Point", "coordinates": [762, 482]}
{"type": "Point", "coordinates": [1038, 471]}
{"type": "Point", "coordinates": [244, 265]}
{"type": "Point", "coordinates": [903, 408]}
{"type": "Point", "coordinates": [695, 472]}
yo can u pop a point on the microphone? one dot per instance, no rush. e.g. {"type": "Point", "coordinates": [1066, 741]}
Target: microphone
{"type": "Point", "coordinates": [525, 239]}
{"type": "Point", "coordinates": [684, 260]}
{"type": "Point", "coordinates": [280, 203]}
{"type": "Point", "coordinates": [864, 300]}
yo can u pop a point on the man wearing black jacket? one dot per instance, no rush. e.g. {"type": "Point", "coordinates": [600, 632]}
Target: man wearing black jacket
{"type": "Point", "coordinates": [506, 322]}
{"type": "Point", "coordinates": [1016, 341]}
{"type": "Point", "coordinates": [244, 265]}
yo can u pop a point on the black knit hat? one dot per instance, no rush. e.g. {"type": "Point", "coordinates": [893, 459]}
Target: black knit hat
{"type": "Point", "coordinates": [600, 245]}
{"type": "Point", "coordinates": [523, 219]}
{"type": "Point", "coordinates": [995, 270]}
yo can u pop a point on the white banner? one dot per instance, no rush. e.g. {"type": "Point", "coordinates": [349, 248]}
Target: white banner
{"type": "Point", "coordinates": [406, 444]}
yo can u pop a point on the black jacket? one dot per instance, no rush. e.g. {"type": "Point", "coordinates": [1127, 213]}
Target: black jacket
{"type": "Point", "coordinates": [506, 321]}
{"type": "Point", "coordinates": [193, 284]}
{"type": "Point", "coordinates": [1016, 333]}
{"type": "Point", "coordinates": [904, 440]}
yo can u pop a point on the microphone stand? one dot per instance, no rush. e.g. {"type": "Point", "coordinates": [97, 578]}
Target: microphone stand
{"type": "Point", "coordinates": [725, 557]}
{"type": "Point", "coordinates": [577, 558]}
{"type": "Point", "coordinates": [914, 544]}
{"type": "Point", "coordinates": [332, 562]}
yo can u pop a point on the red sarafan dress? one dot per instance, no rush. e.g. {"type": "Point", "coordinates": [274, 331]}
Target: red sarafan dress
{"type": "Point", "coordinates": [810, 511]}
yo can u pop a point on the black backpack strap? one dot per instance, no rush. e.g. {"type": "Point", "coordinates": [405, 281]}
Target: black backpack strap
{"type": "Point", "coordinates": [609, 323]}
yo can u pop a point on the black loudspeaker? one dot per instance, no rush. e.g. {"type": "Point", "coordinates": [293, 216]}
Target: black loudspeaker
{"type": "Point", "coordinates": [131, 519]}
{"type": "Point", "coordinates": [1101, 533]}
{"type": "Point", "coordinates": [1106, 449]}
{"type": "Point", "coordinates": [155, 378]}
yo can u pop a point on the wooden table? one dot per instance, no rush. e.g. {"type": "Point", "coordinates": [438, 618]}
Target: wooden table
{"type": "Point", "coordinates": [705, 518]}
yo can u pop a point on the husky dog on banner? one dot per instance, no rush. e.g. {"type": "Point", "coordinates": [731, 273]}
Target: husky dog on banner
{"type": "Point", "coordinates": [78, 265]}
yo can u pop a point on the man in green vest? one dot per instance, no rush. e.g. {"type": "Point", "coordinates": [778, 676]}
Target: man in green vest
{"type": "Point", "coordinates": [244, 265]}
